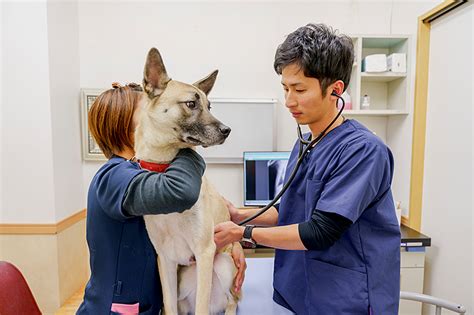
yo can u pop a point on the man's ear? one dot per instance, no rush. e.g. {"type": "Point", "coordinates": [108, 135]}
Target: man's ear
{"type": "Point", "coordinates": [337, 87]}
{"type": "Point", "coordinates": [207, 83]}
{"type": "Point", "coordinates": [155, 77]}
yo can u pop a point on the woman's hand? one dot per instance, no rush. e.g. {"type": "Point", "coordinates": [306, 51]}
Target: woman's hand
{"type": "Point", "coordinates": [226, 233]}
{"type": "Point", "coordinates": [235, 215]}
{"type": "Point", "coordinates": [239, 261]}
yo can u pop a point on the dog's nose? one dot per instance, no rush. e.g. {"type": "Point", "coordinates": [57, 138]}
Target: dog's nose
{"type": "Point", "coordinates": [224, 130]}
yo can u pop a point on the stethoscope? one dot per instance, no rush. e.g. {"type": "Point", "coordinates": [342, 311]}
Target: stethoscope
{"type": "Point", "coordinates": [301, 154]}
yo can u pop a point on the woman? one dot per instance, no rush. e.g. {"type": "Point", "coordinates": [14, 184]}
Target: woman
{"type": "Point", "coordinates": [124, 273]}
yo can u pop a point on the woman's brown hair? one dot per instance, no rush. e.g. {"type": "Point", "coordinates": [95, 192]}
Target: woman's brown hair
{"type": "Point", "coordinates": [111, 118]}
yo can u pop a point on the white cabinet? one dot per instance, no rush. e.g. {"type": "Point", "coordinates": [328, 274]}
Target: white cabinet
{"type": "Point", "coordinates": [411, 279]}
{"type": "Point", "coordinates": [388, 91]}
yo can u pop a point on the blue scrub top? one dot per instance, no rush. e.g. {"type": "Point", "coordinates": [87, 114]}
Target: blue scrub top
{"type": "Point", "coordinates": [349, 172]}
{"type": "Point", "coordinates": [123, 261]}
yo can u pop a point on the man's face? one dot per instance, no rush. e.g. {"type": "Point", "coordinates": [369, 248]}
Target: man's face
{"type": "Point", "coordinates": [303, 96]}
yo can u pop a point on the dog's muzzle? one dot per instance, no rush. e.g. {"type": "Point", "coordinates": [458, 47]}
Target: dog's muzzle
{"type": "Point", "coordinates": [224, 130]}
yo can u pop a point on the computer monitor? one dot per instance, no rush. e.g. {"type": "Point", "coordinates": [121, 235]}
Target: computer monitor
{"type": "Point", "coordinates": [264, 174]}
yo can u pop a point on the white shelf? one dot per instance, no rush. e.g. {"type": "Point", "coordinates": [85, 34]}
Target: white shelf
{"type": "Point", "coordinates": [374, 112]}
{"type": "Point", "coordinates": [382, 76]}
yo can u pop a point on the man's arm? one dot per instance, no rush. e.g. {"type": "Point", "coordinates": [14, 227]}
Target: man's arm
{"type": "Point", "coordinates": [319, 233]}
{"type": "Point", "coordinates": [283, 237]}
{"type": "Point", "coordinates": [269, 218]}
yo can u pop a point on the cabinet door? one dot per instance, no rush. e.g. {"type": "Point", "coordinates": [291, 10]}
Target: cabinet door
{"type": "Point", "coordinates": [411, 279]}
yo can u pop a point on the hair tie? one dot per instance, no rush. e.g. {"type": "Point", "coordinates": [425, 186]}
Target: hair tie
{"type": "Point", "coordinates": [116, 85]}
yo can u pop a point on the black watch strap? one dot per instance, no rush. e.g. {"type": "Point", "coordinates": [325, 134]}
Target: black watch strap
{"type": "Point", "coordinates": [248, 232]}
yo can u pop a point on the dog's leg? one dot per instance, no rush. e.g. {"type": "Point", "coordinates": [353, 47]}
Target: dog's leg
{"type": "Point", "coordinates": [231, 308]}
{"type": "Point", "coordinates": [225, 271]}
{"type": "Point", "coordinates": [169, 283]}
{"type": "Point", "coordinates": [204, 264]}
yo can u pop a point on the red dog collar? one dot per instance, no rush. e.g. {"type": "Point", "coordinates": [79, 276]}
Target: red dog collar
{"type": "Point", "coordinates": [154, 167]}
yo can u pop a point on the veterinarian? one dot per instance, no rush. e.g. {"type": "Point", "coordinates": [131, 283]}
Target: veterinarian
{"type": "Point", "coordinates": [124, 273]}
{"type": "Point", "coordinates": [337, 238]}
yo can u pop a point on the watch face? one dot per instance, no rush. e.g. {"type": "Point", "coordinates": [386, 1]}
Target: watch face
{"type": "Point", "coordinates": [248, 244]}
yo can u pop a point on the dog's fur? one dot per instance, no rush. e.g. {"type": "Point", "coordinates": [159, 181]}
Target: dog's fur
{"type": "Point", "coordinates": [175, 115]}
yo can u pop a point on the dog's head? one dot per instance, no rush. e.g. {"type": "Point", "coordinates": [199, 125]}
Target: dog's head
{"type": "Point", "coordinates": [178, 110]}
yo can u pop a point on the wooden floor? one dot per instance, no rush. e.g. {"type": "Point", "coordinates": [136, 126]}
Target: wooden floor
{"type": "Point", "coordinates": [70, 306]}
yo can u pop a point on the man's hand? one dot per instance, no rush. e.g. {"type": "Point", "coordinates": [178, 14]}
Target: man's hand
{"type": "Point", "coordinates": [235, 215]}
{"type": "Point", "coordinates": [226, 233]}
{"type": "Point", "coordinates": [239, 261]}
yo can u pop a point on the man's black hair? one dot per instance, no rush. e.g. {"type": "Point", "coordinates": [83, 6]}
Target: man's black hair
{"type": "Point", "coordinates": [321, 53]}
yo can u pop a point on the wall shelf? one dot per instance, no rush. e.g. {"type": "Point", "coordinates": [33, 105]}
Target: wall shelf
{"type": "Point", "coordinates": [382, 77]}
{"type": "Point", "coordinates": [388, 91]}
{"type": "Point", "coordinates": [374, 112]}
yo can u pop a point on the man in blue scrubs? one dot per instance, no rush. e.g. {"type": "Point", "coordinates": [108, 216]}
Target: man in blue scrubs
{"type": "Point", "coordinates": [337, 236]}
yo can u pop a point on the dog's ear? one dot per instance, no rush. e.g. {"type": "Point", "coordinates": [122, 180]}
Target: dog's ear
{"type": "Point", "coordinates": [155, 77]}
{"type": "Point", "coordinates": [207, 83]}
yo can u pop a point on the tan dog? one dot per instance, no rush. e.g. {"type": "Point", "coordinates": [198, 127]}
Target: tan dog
{"type": "Point", "coordinates": [176, 115]}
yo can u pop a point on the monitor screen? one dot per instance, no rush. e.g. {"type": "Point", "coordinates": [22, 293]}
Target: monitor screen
{"type": "Point", "coordinates": [264, 175]}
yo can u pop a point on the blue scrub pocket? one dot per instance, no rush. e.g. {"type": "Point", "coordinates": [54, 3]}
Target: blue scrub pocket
{"type": "Point", "coordinates": [312, 194]}
{"type": "Point", "coordinates": [335, 290]}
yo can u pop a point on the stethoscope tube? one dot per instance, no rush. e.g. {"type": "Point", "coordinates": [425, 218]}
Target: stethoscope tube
{"type": "Point", "coordinates": [301, 154]}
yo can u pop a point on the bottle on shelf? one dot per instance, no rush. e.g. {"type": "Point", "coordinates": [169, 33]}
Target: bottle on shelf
{"type": "Point", "coordinates": [365, 102]}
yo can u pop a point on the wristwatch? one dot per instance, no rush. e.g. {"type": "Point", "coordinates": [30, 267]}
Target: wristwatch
{"type": "Point", "coordinates": [247, 240]}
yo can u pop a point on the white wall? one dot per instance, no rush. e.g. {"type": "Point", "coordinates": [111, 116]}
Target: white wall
{"type": "Point", "coordinates": [41, 163]}
{"type": "Point", "coordinates": [238, 38]}
{"type": "Point", "coordinates": [447, 196]}
{"type": "Point", "coordinates": [1, 112]}
{"type": "Point", "coordinates": [27, 164]}
{"type": "Point", "coordinates": [63, 37]}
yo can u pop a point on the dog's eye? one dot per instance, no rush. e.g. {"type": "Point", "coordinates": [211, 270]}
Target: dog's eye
{"type": "Point", "coordinates": [190, 104]}
{"type": "Point", "coordinates": [209, 106]}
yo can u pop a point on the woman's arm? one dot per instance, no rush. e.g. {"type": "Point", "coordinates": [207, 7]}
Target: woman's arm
{"type": "Point", "coordinates": [175, 190]}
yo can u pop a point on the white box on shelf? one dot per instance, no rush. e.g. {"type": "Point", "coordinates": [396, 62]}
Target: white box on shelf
{"type": "Point", "coordinates": [397, 62]}
{"type": "Point", "coordinates": [374, 63]}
